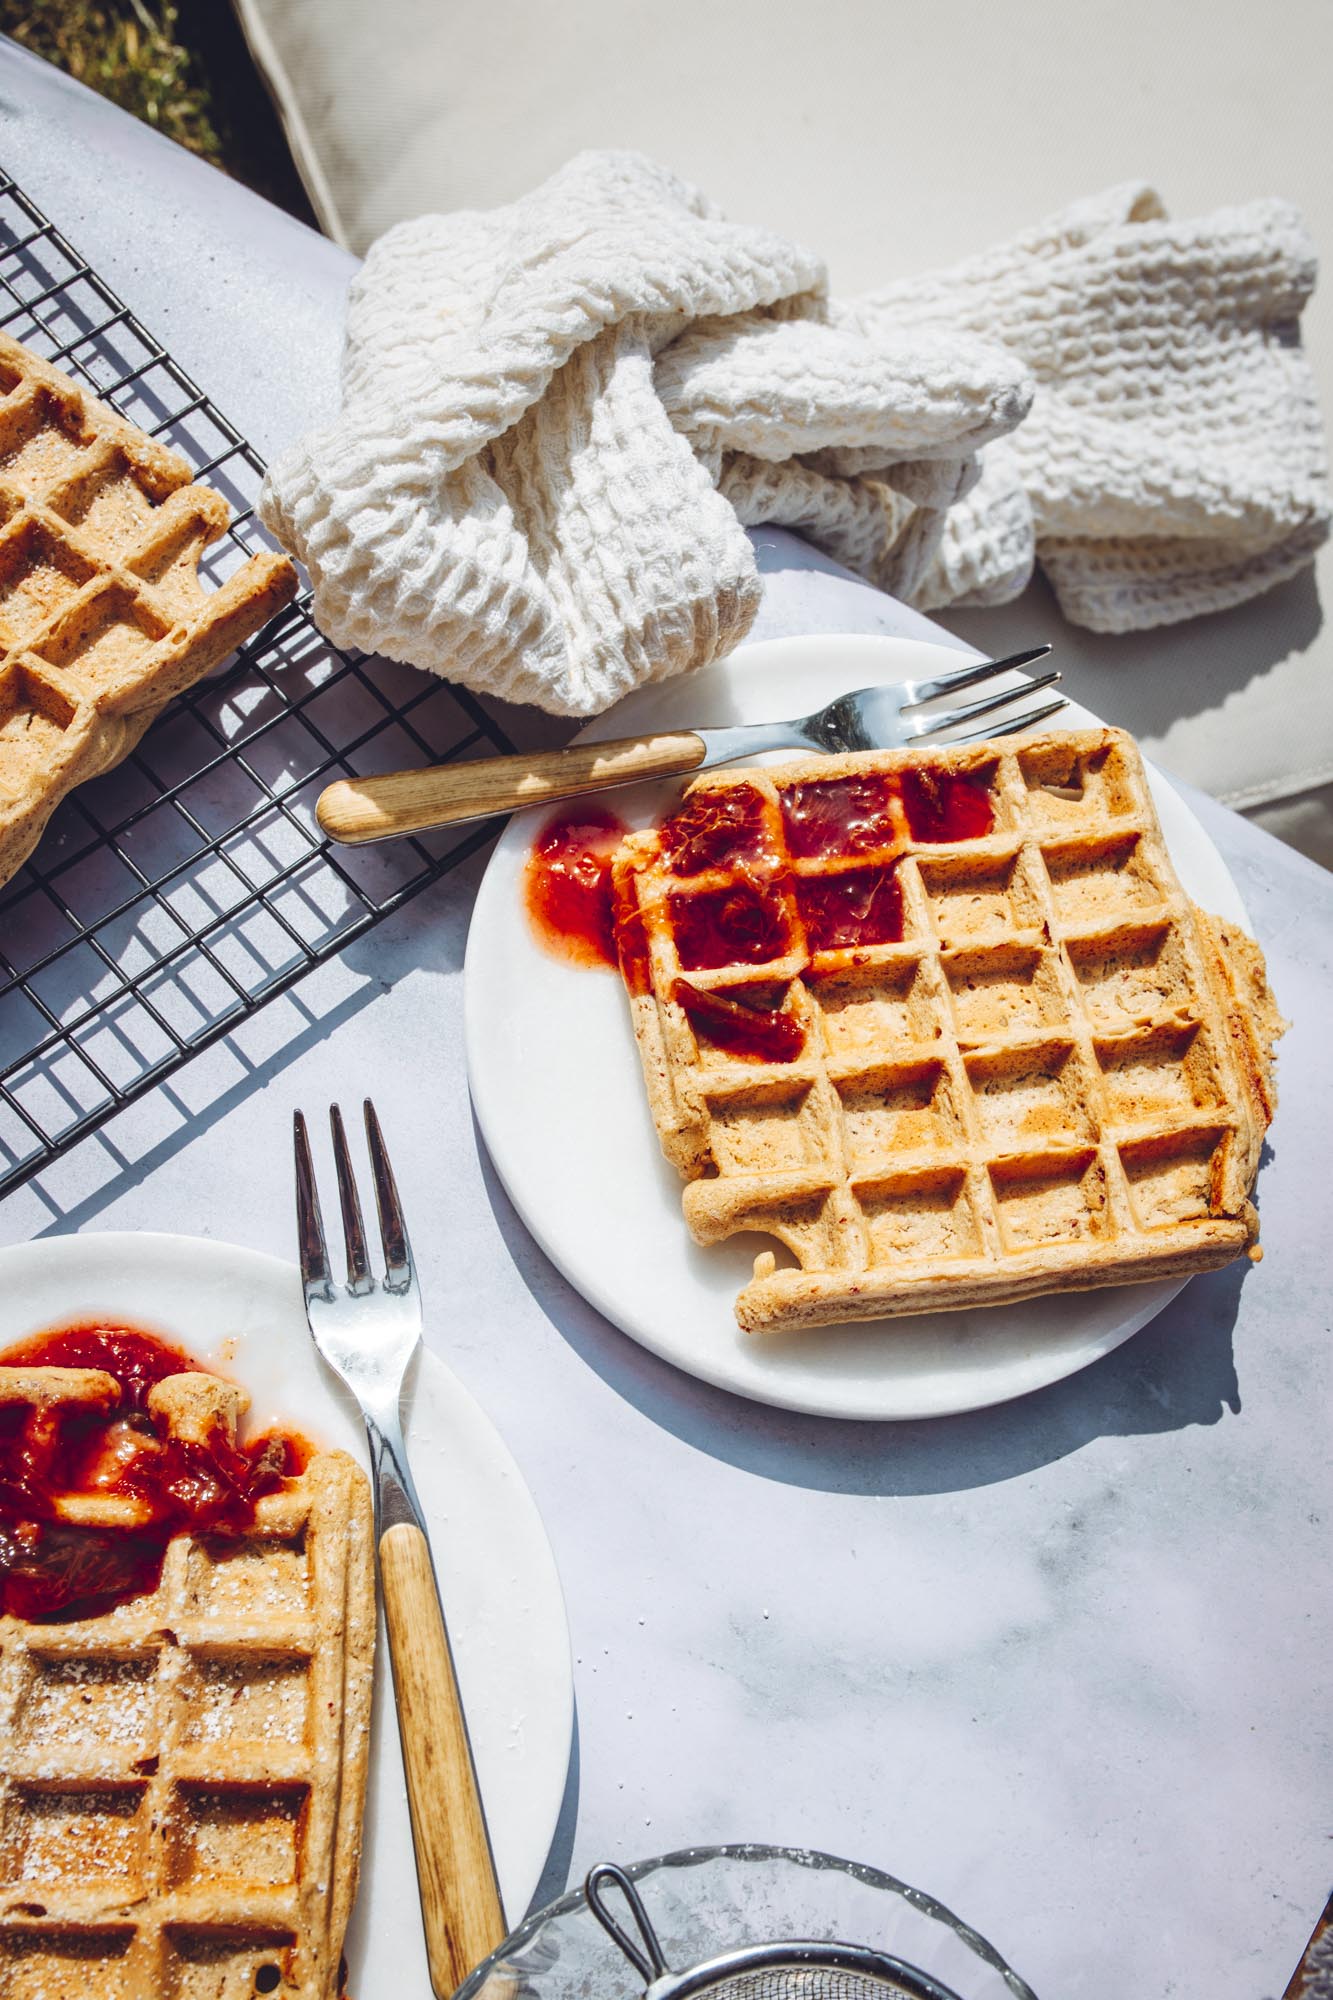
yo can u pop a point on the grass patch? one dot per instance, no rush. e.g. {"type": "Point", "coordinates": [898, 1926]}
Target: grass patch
{"type": "Point", "coordinates": [130, 53]}
{"type": "Point", "coordinates": [184, 70]}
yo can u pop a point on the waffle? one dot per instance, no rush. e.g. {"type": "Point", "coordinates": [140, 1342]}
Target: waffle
{"type": "Point", "coordinates": [103, 616]}
{"type": "Point", "coordinates": [181, 1779]}
{"type": "Point", "coordinates": [944, 1072]}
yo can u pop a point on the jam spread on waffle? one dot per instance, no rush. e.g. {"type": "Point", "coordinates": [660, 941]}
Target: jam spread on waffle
{"type": "Point", "coordinates": [54, 1569]}
{"type": "Point", "coordinates": [631, 943]}
{"type": "Point", "coordinates": [747, 1021]}
{"type": "Point", "coordinates": [578, 915]}
{"type": "Point", "coordinates": [842, 816]}
{"type": "Point", "coordinates": [841, 912]}
{"type": "Point", "coordinates": [945, 805]}
{"type": "Point", "coordinates": [834, 816]}
{"type": "Point", "coordinates": [720, 830]}
{"type": "Point", "coordinates": [743, 924]}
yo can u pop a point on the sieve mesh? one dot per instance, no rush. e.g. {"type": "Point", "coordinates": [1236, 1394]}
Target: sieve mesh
{"type": "Point", "coordinates": [802, 1982]}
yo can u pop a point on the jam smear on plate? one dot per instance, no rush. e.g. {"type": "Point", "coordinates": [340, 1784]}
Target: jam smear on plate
{"type": "Point", "coordinates": [53, 1569]}
{"type": "Point", "coordinates": [567, 885]}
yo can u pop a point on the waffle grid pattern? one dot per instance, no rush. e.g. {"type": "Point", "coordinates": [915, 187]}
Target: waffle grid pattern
{"type": "Point", "coordinates": [1047, 1082]}
{"type": "Point", "coordinates": [173, 896]}
{"type": "Point", "coordinates": [180, 1798]}
{"type": "Point", "coordinates": [103, 617]}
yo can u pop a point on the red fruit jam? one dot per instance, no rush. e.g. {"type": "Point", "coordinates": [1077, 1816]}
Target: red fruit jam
{"type": "Point", "coordinates": [631, 937]}
{"type": "Point", "coordinates": [577, 915]}
{"type": "Point", "coordinates": [841, 912]}
{"type": "Point", "coordinates": [742, 924]}
{"type": "Point", "coordinates": [839, 816]}
{"type": "Point", "coordinates": [567, 886]}
{"type": "Point", "coordinates": [943, 805]}
{"type": "Point", "coordinates": [723, 829]}
{"type": "Point", "coordinates": [745, 1021]}
{"type": "Point", "coordinates": [52, 1569]}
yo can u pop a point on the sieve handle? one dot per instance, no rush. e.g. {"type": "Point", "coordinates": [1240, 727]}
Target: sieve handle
{"type": "Point", "coordinates": [644, 1952]}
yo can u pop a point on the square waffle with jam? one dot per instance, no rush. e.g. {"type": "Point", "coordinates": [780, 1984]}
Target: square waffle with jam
{"type": "Point", "coordinates": [103, 615]}
{"type": "Point", "coordinates": [182, 1776]}
{"type": "Point", "coordinates": [944, 1025]}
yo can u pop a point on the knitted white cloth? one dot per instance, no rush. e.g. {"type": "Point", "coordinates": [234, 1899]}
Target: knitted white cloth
{"type": "Point", "coordinates": [557, 415]}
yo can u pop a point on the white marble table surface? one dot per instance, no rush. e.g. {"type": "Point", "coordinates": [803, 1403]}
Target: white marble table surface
{"type": "Point", "coordinates": [1065, 1664]}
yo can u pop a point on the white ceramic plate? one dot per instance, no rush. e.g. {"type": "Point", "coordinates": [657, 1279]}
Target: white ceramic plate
{"type": "Point", "coordinates": [243, 1312]}
{"type": "Point", "coordinates": [559, 1096]}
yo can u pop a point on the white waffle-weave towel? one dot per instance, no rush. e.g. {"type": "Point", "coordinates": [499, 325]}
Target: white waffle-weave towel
{"type": "Point", "coordinates": [558, 415]}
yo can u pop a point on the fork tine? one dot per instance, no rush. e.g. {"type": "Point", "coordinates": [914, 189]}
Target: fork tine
{"type": "Point", "coordinates": [393, 1229]}
{"type": "Point", "coordinates": [979, 670]}
{"type": "Point", "coordinates": [1009, 728]}
{"type": "Point", "coordinates": [315, 1272]}
{"type": "Point", "coordinates": [354, 1229]}
{"type": "Point", "coordinates": [931, 724]}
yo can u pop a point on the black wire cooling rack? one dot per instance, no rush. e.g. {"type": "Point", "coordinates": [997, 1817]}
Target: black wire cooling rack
{"type": "Point", "coordinates": [176, 894]}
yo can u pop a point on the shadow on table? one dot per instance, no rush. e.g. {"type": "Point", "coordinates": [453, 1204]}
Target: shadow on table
{"type": "Point", "coordinates": [1149, 682]}
{"type": "Point", "coordinates": [153, 1129]}
{"type": "Point", "coordinates": [1178, 1371]}
{"type": "Point", "coordinates": [555, 1875]}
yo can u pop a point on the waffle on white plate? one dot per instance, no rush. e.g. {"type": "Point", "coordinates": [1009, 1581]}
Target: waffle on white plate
{"type": "Point", "coordinates": [103, 615]}
{"type": "Point", "coordinates": [944, 1025]}
{"type": "Point", "coordinates": [182, 1775]}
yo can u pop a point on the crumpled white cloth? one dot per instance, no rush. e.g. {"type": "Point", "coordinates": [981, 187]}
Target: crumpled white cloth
{"type": "Point", "coordinates": [558, 415]}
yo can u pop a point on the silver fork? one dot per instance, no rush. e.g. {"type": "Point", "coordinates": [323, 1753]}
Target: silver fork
{"type": "Point", "coordinates": [368, 1331]}
{"type": "Point", "coordinates": [356, 810]}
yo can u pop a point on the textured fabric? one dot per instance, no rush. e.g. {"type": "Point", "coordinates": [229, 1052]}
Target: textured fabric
{"type": "Point", "coordinates": [558, 414]}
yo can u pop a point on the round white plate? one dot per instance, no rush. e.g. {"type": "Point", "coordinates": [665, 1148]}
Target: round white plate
{"type": "Point", "coordinates": [243, 1313]}
{"type": "Point", "coordinates": [559, 1096]}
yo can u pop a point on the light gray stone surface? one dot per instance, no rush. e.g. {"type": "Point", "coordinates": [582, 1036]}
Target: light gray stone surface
{"type": "Point", "coordinates": [1066, 1664]}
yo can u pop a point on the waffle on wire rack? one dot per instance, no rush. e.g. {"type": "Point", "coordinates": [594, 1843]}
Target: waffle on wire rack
{"type": "Point", "coordinates": [103, 616]}
{"type": "Point", "coordinates": [181, 1777]}
{"type": "Point", "coordinates": [944, 1025]}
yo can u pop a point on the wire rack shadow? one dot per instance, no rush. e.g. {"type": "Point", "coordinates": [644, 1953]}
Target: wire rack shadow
{"type": "Point", "coordinates": [175, 895]}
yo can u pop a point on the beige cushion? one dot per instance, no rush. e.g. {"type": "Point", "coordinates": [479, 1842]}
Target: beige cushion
{"type": "Point", "coordinates": [891, 135]}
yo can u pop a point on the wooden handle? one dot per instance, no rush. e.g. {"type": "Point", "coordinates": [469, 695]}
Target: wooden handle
{"type": "Point", "coordinates": [360, 809]}
{"type": "Point", "coordinates": [460, 1900]}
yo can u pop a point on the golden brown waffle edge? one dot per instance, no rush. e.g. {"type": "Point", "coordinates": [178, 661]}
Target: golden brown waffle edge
{"type": "Point", "coordinates": [1059, 1078]}
{"type": "Point", "coordinates": [103, 616]}
{"type": "Point", "coordinates": [182, 1778]}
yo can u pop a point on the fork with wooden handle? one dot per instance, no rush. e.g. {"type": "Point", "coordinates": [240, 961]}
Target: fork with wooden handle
{"type": "Point", "coordinates": [367, 1331]}
{"type": "Point", "coordinates": [355, 810]}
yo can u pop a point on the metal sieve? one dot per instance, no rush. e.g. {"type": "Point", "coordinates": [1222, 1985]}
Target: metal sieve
{"type": "Point", "coordinates": [795, 1969]}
